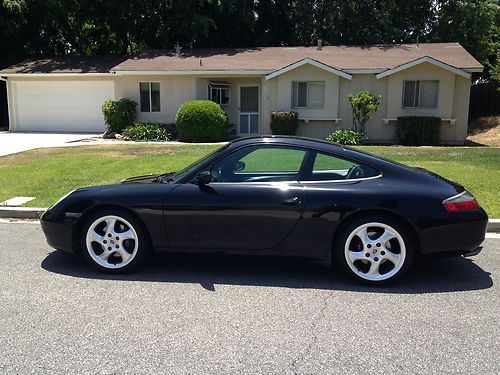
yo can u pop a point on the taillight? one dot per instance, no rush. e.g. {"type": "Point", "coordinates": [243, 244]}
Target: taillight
{"type": "Point", "coordinates": [461, 202]}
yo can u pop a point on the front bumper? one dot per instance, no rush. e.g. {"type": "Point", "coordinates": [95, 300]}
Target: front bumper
{"type": "Point", "coordinates": [59, 229]}
{"type": "Point", "coordinates": [458, 233]}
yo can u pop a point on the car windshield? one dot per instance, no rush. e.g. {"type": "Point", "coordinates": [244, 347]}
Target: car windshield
{"type": "Point", "coordinates": [186, 171]}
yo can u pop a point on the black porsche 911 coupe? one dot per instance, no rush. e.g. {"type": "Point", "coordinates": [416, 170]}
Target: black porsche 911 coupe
{"type": "Point", "coordinates": [274, 196]}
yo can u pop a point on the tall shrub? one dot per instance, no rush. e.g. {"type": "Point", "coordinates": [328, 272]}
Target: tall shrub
{"type": "Point", "coordinates": [201, 121]}
{"type": "Point", "coordinates": [363, 106]}
{"type": "Point", "coordinates": [119, 114]}
{"type": "Point", "coordinates": [417, 130]}
{"type": "Point", "coordinates": [284, 122]}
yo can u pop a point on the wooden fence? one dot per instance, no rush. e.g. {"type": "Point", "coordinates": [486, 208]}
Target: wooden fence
{"type": "Point", "coordinates": [484, 100]}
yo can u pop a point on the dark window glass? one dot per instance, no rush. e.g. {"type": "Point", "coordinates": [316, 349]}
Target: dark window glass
{"type": "Point", "coordinates": [155, 97]}
{"type": "Point", "coordinates": [144, 94]}
{"type": "Point", "coordinates": [328, 167]}
{"type": "Point", "coordinates": [302, 94]}
{"type": "Point", "coordinates": [263, 164]}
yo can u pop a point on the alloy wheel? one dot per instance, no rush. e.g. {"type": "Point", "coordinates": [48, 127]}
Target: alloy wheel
{"type": "Point", "coordinates": [112, 242]}
{"type": "Point", "coordinates": [375, 251]}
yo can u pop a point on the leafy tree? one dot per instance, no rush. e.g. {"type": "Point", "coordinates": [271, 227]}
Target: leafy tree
{"type": "Point", "coordinates": [29, 29]}
{"type": "Point", "coordinates": [363, 106]}
{"type": "Point", "coordinates": [475, 24]}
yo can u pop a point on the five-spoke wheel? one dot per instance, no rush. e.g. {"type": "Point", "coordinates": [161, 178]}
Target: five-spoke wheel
{"type": "Point", "coordinates": [374, 250]}
{"type": "Point", "coordinates": [112, 241]}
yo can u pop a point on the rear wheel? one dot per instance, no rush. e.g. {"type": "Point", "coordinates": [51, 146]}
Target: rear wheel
{"type": "Point", "coordinates": [113, 241]}
{"type": "Point", "coordinates": [374, 250]}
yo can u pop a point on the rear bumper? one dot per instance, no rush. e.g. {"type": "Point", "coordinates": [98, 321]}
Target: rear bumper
{"type": "Point", "coordinates": [451, 232]}
{"type": "Point", "coordinates": [59, 230]}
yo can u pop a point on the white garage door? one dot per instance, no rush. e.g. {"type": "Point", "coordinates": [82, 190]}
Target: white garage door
{"type": "Point", "coordinates": [58, 106]}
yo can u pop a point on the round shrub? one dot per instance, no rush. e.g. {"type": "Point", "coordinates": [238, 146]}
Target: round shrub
{"type": "Point", "coordinates": [119, 115]}
{"type": "Point", "coordinates": [201, 121]}
{"type": "Point", "coordinates": [346, 137]}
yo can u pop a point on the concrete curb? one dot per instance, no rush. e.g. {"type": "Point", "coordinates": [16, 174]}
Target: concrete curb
{"type": "Point", "coordinates": [35, 213]}
{"type": "Point", "coordinates": [493, 226]}
{"type": "Point", "coordinates": [21, 212]}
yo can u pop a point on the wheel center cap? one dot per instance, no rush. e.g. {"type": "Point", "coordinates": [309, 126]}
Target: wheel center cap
{"type": "Point", "coordinates": [374, 251]}
{"type": "Point", "coordinates": [112, 241]}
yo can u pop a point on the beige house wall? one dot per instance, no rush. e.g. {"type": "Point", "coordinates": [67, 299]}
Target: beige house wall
{"type": "Point", "coordinates": [234, 83]}
{"type": "Point", "coordinates": [279, 90]}
{"type": "Point", "coordinates": [375, 129]}
{"type": "Point", "coordinates": [453, 101]}
{"type": "Point", "coordinates": [174, 90]}
{"type": "Point", "coordinates": [276, 94]}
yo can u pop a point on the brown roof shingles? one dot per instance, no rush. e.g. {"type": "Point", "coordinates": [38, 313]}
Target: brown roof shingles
{"type": "Point", "coordinates": [272, 58]}
{"type": "Point", "coordinates": [66, 64]}
{"type": "Point", "coordinates": [253, 59]}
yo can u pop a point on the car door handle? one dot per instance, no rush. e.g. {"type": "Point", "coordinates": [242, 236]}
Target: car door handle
{"type": "Point", "coordinates": [295, 201]}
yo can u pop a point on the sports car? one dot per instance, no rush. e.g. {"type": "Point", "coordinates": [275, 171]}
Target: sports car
{"type": "Point", "coordinates": [274, 196]}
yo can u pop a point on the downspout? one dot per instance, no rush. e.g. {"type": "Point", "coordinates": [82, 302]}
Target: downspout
{"type": "Point", "coordinates": [3, 79]}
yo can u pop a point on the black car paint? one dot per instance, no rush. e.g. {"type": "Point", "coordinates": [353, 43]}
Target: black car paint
{"type": "Point", "coordinates": [292, 219]}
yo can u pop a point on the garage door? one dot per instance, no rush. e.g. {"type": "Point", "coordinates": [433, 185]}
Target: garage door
{"type": "Point", "coordinates": [58, 106]}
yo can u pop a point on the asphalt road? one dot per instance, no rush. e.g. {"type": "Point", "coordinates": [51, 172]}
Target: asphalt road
{"type": "Point", "coordinates": [199, 316]}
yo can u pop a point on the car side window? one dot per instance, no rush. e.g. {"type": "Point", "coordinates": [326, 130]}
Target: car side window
{"type": "Point", "coordinates": [260, 164]}
{"type": "Point", "coordinates": [329, 167]}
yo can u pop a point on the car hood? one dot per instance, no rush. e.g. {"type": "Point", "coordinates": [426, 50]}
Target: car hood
{"type": "Point", "coordinates": [147, 179]}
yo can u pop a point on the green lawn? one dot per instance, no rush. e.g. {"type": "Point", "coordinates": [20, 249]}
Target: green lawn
{"type": "Point", "coordinates": [47, 174]}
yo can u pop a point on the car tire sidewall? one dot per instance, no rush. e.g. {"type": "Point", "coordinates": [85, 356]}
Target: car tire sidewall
{"type": "Point", "coordinates": [142, 250]}
{"type": "Point", "coordinates": [341, 239]}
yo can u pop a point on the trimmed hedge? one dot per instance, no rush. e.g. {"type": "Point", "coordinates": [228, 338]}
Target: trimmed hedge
{"type": "Point", "coordinates": [147, 132]}
{"type": "Point", "coordinates": [119, 115]}
{"type": "Point", "coordinates": [418, 131]}
{"type": "Point", "coordinates": [201, 121]}
{"type": "Point", "coordinates": [284, 122]}
{"type": "Point", "coordinates": [346, 137]}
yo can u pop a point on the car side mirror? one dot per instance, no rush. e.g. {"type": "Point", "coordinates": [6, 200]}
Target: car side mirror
{"type": "Point", "coordinates": [204, 177]}
{"type": "Point", "coordinates": [239, 166]}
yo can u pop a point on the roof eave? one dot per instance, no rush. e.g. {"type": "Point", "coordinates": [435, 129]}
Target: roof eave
{"type": "Point", "coordinates": [193, 72]}
{"type": "Point", "coordinates": [422, 60]}
{"type": "Point", "coordinates": [308, 61]}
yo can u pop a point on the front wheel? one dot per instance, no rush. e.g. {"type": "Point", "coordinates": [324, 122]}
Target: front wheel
{"type": "Point", "coordinates": [374, 250]}
{"type": "Point", "coordinates": [113, 241]}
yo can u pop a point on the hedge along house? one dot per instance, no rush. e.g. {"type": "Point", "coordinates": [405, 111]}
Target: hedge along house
{"type": "Point", "coordinates": [434, 79]}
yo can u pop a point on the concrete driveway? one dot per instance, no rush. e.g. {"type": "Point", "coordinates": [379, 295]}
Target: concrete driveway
{"type": "Point", "coordinates": [11, 143]}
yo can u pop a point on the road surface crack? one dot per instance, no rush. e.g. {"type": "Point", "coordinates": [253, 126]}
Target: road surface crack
{"type": "Point", "coordinates": [299, 360]}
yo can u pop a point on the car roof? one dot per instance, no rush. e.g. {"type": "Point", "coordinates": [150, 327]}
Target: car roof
{"type": "Point", "coordinates": [288, 139]}
{"type": "Point", "coordinates": [321, 145]}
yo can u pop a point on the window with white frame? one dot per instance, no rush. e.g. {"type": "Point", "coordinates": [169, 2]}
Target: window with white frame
{"type": "Point", "coordinates": [309, 94]}
{"type": "Point", "coordinates": [218, 92]}
{"type": "Point", "coordinates": [420, 94]}
{"type": "Point", "coordinates": [150, 96]}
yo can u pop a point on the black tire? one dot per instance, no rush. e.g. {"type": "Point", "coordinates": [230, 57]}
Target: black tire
{"type": "Point", "coordinates": [376, 252]}
{"type": "Point", "coordinates": [138, 249]}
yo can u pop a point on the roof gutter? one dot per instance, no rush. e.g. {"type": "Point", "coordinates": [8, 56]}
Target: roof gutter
{"type": "Point", "coordinates": [191, 72]}
{"type": "Point", "coordinates": [6, 75]}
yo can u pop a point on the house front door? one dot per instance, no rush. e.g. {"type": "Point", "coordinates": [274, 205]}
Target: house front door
{"type": "Point", "coordinates": [248, 110]}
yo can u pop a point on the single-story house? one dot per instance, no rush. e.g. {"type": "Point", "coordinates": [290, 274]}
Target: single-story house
{"type": "Point", "coordinates": [432, 79]}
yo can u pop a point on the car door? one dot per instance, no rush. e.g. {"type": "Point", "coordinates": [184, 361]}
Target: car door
{"type": "Point", "coordinates": [252, 202]}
